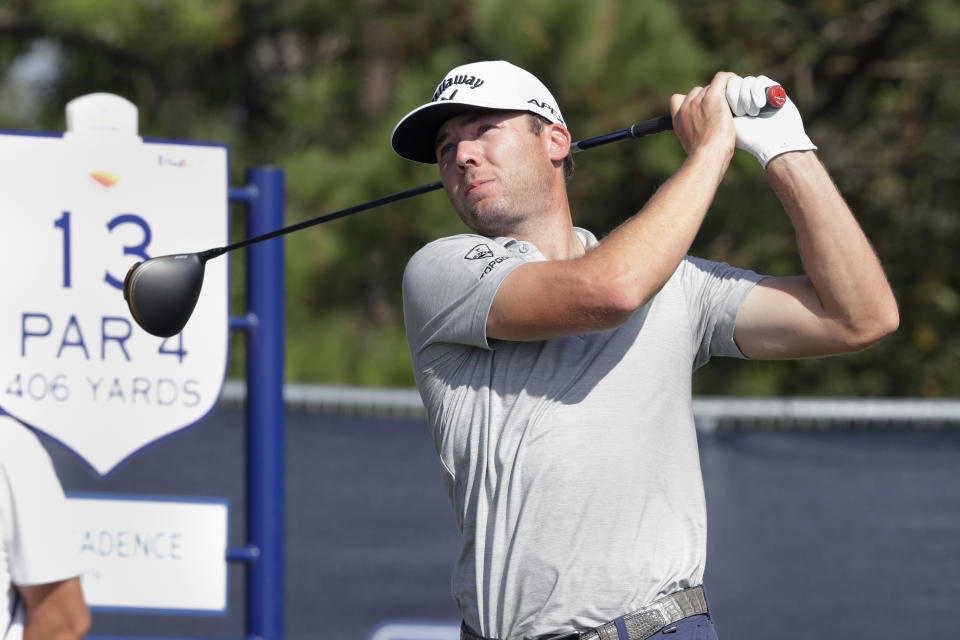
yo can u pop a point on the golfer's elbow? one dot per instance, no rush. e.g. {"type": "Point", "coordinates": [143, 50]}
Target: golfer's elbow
{"type": "Point", "coordinates": [872, 325]}
{"type": "Point", "coordinates": [618, 298]}
{"type": "Point", "coordinates": [884, 324]}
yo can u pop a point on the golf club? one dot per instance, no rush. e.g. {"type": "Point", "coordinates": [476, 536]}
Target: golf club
{"type": "Point", "coordinates": [162, 292]}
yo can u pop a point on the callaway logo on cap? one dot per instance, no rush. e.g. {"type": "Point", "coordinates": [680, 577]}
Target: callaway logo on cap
{"type": "Point", "coordinates": [494, 84]}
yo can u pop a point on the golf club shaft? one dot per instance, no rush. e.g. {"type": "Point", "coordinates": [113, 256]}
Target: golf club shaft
{"type": "Point", "coordinates": [394, 197]}
{"type": "Point", "coordinates": [776, 97]}
{"type": "Point", "coordinates": [646, 128]}
{"type": "Point", "coordinates": [656, 125]}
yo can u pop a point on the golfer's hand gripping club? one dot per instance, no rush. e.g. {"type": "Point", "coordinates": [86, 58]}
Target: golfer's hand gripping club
{"type": "Point", "coordinates": [763, 131]}
{"type": "Point", "coordinates": [770, 100]}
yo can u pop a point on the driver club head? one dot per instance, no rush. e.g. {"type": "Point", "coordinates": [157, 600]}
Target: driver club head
{"type": "Point", "coordinates": [162, 292]}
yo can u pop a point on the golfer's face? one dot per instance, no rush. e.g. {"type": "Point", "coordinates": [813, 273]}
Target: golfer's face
{"type": "Point", "coordinates": [490, 164]}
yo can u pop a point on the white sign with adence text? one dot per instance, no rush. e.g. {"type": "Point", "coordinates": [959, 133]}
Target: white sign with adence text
{"type": "Point", "coordinates": [139, 553]}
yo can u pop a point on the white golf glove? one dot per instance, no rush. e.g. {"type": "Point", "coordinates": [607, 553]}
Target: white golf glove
{"type": "Point", "coordinates": [769, 134]}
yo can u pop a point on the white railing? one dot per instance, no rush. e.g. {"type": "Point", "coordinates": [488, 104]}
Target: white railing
{"type": "Point", "coordinates": [710, 412]}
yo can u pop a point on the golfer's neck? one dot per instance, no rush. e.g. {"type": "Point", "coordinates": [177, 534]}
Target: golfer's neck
{"type": "Point", "coordinates": [553, 236]}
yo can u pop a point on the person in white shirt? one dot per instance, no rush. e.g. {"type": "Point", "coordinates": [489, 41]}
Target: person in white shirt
{"type": "Point", "coordinates": [39, 551]}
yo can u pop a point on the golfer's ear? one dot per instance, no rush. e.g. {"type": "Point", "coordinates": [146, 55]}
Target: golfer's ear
{"type": "Point", "coordinates": [559, 142]}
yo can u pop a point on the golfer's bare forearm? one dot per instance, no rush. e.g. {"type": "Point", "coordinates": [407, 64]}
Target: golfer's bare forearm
{"type": "Point", "coordinates": [641, 255]}
{"type": "Point", "coordinates": [839, 260]}
{"type": "Point", "coordinates": [602, 289]}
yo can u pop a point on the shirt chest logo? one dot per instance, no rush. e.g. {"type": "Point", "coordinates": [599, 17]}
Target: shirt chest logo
{"type": "Point", "coordinates": [478, 253]}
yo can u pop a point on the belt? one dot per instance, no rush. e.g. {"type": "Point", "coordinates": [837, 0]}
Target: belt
{"type": "Point", "coordinates": [637, 625]}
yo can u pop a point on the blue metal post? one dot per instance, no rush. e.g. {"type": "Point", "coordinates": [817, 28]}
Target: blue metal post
{"type": "Point", "coordinates": [265, 411]}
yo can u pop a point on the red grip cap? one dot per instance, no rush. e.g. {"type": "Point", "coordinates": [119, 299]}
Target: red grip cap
{"type": "Point", "coordinates": [776, 96]}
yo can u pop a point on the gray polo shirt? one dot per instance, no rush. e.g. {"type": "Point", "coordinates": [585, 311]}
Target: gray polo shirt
{"type": "Point", "coordinates": [571, 464]}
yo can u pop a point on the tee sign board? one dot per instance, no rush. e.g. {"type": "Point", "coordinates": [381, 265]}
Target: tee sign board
{"type": "Point", "coordinates": [76, 212]}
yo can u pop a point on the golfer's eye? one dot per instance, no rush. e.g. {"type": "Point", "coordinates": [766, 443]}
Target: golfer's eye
{"type": "Point", "coordinates": [445, 149]}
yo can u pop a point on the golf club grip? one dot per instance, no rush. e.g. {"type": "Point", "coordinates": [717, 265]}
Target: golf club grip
{"type": "Point", "coordinates": [776, 97]}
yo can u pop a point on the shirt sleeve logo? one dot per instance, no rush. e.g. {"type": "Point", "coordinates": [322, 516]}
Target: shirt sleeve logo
{"type": "Point", "coordinates": [478, 253]}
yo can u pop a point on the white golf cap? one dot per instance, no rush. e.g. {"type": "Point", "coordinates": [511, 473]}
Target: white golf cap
{"type": "Point", "coordinates": [493, 84]}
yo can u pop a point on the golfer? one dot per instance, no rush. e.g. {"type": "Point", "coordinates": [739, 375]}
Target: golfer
{"type": "Point", "coordinates": [556, 368]}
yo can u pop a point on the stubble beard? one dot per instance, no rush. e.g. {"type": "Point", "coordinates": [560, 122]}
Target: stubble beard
{"type": "Point", "coordinates": [506, 214]}
{"type": "Point", "coordinates": [493, 219]}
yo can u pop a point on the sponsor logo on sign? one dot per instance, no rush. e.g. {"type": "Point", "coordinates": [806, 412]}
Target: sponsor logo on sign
{"type": "Point", "coordinates": [166, 161]}
{"type": "Point", "coordinates": [105, 178]}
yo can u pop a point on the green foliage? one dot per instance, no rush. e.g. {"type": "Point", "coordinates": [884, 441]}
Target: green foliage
{"type": "Point", "coordinates": [316, 88]}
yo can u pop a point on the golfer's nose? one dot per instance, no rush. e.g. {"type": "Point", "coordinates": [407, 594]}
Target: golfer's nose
{"type": "Point", "coordinates": [469, 154]}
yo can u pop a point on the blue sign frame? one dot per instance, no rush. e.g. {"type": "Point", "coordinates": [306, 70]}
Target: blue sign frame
{"type": "Point", "coordinates": [264, 323]}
